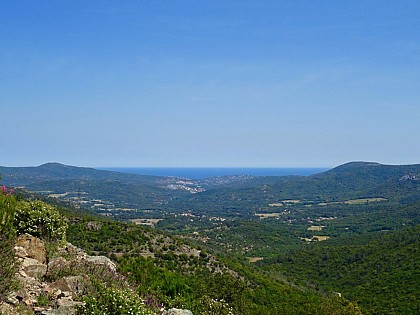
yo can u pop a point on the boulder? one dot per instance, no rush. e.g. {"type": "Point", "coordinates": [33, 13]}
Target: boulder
{"type": "Point", "coordinates": [57, 264]}
{"type": "Point", "coordinates": [70, 249]}
{"type": "Point", "coordinates": [73, 284]}
{"type": "Point", "coordinates": [34, 268]}
{"type": "Point", "coordinates": [34, 247]}
{"type": "Point", "coordinates": [102, 261]}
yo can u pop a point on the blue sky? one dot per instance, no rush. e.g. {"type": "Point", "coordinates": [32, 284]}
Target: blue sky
{"type": "Point", "coordinates": [209, 83]}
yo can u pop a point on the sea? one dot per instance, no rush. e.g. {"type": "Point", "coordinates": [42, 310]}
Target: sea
{"type": "Point", "coordinates": [207, 172]}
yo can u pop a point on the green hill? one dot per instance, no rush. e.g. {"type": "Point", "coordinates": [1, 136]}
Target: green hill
{"type": "Point", "coordinates": [292, 240]}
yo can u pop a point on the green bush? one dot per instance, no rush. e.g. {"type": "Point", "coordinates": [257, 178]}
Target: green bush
{"type": "Point", "coordinates": [113, 301]}
{"type": "Point", "coordinates": [8, 261]}
{"type": "Point", "coordinates": [41, 220]}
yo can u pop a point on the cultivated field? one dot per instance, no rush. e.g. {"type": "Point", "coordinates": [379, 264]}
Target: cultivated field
{"type": "Point", "coordinates": [150, 222]}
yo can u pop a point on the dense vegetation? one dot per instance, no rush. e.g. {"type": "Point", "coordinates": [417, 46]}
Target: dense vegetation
{"type": "Point", "coordinates": [9, 264]}
{"type": "Point", "coordinates": [284, 243]}
{"type": "Point", "coordinates": [380, 272]}
{"type": "Point", "coordinates": [176, 277]}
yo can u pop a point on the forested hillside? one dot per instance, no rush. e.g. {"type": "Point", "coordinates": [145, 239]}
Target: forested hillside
{"type": "Point", "coordinates": [286, 244]}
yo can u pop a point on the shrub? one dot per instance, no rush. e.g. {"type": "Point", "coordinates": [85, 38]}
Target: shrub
{"type": "Point", "coordinates": [114, 301]}
{"type": "Point", "coordinates": [41, 220]}
{"type": "Point", "coordinates": [8, 261]}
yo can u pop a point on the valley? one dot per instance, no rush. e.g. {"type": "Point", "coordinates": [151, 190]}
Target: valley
{"type": "Point", "coordinates": [297, 229]}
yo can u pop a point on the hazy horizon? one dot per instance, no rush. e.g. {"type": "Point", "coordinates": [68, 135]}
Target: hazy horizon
{"type": "Point", "coordinates": [104, 167]}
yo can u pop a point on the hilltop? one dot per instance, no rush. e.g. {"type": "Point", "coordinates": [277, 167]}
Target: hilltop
{"type": "Point", "coordinates": [125, 194]}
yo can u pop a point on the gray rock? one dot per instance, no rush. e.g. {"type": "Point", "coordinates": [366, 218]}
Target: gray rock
{"type": "Point", "coordinates": [33, 267]}
{"type": "Point", "coordinates": [177, 311]}
{"type": "Point", "coordinates": [102, 260]}
{"type": "Point", "coordinates": [56, 265]}
{"type": "Point", "coordinates": [21, 252]}
{"type": "Point", "coordinates": [74, 284]}
{"type": "Point", "coordinates": [65, 307]}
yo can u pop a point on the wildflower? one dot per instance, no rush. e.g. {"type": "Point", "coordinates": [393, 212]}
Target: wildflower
{"type": "Point", "coordinates": [4, 189]}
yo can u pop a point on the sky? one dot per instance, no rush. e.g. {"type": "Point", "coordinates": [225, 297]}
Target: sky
{"type": "Point", "coordinates": [209, 83]}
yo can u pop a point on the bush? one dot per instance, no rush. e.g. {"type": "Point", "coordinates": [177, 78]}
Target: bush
{"type": "Point", "coordinates": [41, 220]}
{"type": "Point", "coordinates": [8, 261]}
{"type": "Point", "coordinates": [114, 301]}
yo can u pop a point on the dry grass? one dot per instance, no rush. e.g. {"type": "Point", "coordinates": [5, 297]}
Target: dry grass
{"type": "Point", "coordinates": [316, 228]}
{"type": "Point", "coordinates": [315, 239]}
{"type": "Point", "coordinates": [353, 201]}
{"type": "Point", "coordinates": [268, 215]}
{"type": "Point", "coordinates": [150, 222]}
{"type": "Point", "coordinates": [291, 201]}
{"type": "Point", "coordinates": [363, 200]}
{"type": "Point", "coordinates": [255, 259]}
{"type": "Point", "coordinates": [321, 238]}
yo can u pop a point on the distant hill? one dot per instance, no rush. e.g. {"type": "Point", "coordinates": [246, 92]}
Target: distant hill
{"type": "Point", "coordinates": [397, 183]}
{"type": "Point", "coordinates": [57, 171]}
{"type": "Point", "coordinates": [107, 189]}
{"type": "Point", "coordinates": [237, 194]}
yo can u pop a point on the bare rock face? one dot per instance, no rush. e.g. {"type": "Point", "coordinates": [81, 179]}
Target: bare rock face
{"type": "Point", "coordinates": [102, 260]}
{"type": "Point", "coordinates": [33, 247]}
{"type": "Point", "coordinates": [33, 268]}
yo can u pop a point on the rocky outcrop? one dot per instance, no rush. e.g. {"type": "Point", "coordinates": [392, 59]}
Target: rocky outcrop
{"type": "Point", "coordinates": [102, 261]}
{"type": "Point", "coordinates": [60, 292]}
{"type": "Point", "coordinates": [31, 247]}
{"type": "Point", "coordinates": [31, 253]}
{"type": "Point", "coordinates": [33, 268]}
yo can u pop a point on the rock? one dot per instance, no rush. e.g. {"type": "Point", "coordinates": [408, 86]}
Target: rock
{"type": "Point", "coordinates": [40, 309]}
{"type": "Point", "coordinates": [102, 260]}
{"type": "Point", "coordinates": [73, 284]}
{"type": "Point", "coordinates": [6, 309]}
{"type": "Point", "coordinates": [177, 311]}
{"type": "Point", "coordinates": [30, 285]}
{"type": "Point", "coordinates": [32, 255]}
{"type": "Point", "coordinates": [34, 247]}
{"type": "Point", "coordinates": [72, 250]}
{"type": "Point", "coordinates": [57, 264]}
{"type": "Point", "coordinates": [65, 307]}
{"type": "Point", "coordinates": [54, 293]}
{"type": "Point", "coordinates": [12, 299]}
{"type": "Point", "coordinates": [34, 268]}
{"type": "Point", "coordinates": [31, 288]}
{"type": "Point", "coordinates": [21, 252]}
{"type": "Point", "coordinates": [29, 300]}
